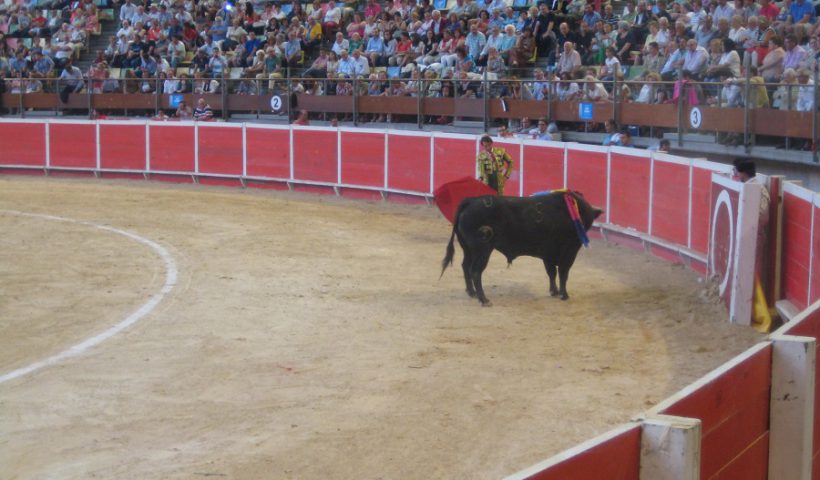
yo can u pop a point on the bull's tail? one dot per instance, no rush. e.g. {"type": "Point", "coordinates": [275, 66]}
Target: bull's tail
{"type": "Point", "coordinates": [451, 251]}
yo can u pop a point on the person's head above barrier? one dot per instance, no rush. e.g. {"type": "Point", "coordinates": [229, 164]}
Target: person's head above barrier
{"type": "Point", "coordinates": [744, 169]}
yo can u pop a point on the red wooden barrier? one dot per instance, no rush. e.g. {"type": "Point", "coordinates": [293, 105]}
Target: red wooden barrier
{"type": "Point", "coordinates": [220, 149]}
{"type": "Point", "coordinates": [543, 168]}
{"type": "Point", "coordinates": [701, 207]}
{"type": "Point", "coordinates": [617, 458]}
{"type": "Point", "coordinates": [814, 273]}
{"type": "Point", "coordinates": [172, 148]}
{"type": "Point", "coordinates": [587, 173]}
{"type": "Point", "coordinates": [73, 145]}
{"type": "Point", "coordinates": [670, 200]}
{"type": "Point", "coordinates": [23, 144]}
{"type": "Point", "coordinates": [363, 158]}
{"type": "Point", "coordinates": [629, 189]}
{"type": "Point", "coordinates": [734, 410]}
{"type": "Point", "coordinates": [408, 162]}
{"type": "Point", "coordinates": [809, 326]}
{"type": "Point", "coordinates": [797, 213]}
{"type": "Point", "coordinates": [315, 155]}
{"type": "Point", "coordinates": [122, 146]}
{"type": "Point", "coordinates": [454, 158]}
{"type": "Point", "coordinates": [268, 152]}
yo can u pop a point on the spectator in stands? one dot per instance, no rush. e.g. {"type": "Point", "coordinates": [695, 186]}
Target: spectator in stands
{"type": "Point", "coordinates": [611, 67]}
{"type": "Point", "coordinates": [318, 69]}
{"type": "Point", "coordinates": [346, 66]}
{"type": "Point", "coordinates": [332, 18]}
{"type": "Point", "coordinates": [203, 111]}
{"type": "Point", "coordinates": [217, 65]}
{"type": "Point", "coordinates": [802, 11]}
{"type": "Point", "coordinates": [71, 81]}
{"type": "Point", "coordinates": [772, 67]}
{"type": "Point", "coordinates": [523, 50]}
{"type": "Point", "coordinates": [42, 66]}
{"type": "Point", "coordinates": [651, 91]}
{"type": "Point", "coordinates": [570, 60]}
{"type": "Point", "coordinates": [340, 44]}
{"type": "Point", "coordinates": [293, 51]}
{"type": "Point", "coordinates": [653, 60]}
{"type": "Point", "coordinates": [313, 37]}
{"type": "Point", "coordinates": [805, 95]}
{"type": "Point", "coordinates": [361, 68]}
{"type": "Point", "coordinates": [624, 41]}
{"type": "Point", "coordinates": [594, 91]}
{"type": "Point", "coordinates": [694, 59]}
{"type": "Point", "coordinates": [202, 84]}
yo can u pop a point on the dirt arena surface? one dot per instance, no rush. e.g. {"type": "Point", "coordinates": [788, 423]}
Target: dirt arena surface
{"type": "Point", "coordinates": [309, 337]}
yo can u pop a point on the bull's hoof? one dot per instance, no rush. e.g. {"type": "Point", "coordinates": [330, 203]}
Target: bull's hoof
{"type": "Point", "coordinates": [470, 293]}
{"type": "Point", "coordinates": [486, 303]}
{"type": "Point", "coordinates": [554, 293]}
{"type": "Point", "coordinates": [565, 297]}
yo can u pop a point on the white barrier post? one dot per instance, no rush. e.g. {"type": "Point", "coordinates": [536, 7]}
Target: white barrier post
{"type": "Point", "coordinates": [670, 448]}
{"type": "Point", "coordinates": [791, 411]}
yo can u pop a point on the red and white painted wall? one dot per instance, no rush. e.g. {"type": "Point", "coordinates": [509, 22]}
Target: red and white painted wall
{"type": "Point", "coordinates": [753, 417]}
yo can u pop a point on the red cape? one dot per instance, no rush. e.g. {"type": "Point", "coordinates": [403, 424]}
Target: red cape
{"type": "Point", "coordinates": [449, 195]}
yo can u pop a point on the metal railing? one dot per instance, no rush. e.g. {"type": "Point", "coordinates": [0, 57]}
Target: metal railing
{"type": "Point", "coordinates": [425, 100]}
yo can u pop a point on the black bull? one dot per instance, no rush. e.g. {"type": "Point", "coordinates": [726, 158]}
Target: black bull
{"type": "Point", "coordinates": [539, 227]}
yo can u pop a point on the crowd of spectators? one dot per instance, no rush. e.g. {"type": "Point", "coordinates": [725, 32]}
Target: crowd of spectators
{"type": "Point", "coordinates": [415, 48]}
{"type": "Point", "coordinates": [39, 39]}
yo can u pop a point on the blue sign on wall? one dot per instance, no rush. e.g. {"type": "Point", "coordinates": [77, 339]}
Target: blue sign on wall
{"type": "Point", "coordinates": [175, 99]}
{"type": "Point", "coordinates": [585, 111]}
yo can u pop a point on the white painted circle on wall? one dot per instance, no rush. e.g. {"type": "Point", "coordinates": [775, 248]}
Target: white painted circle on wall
{"type": "Point", "coordinates": [723, 201]}
{"type": "Point", "coordinates": [695, 117]}
{"type": "Point", "coordinates": [276, 103]}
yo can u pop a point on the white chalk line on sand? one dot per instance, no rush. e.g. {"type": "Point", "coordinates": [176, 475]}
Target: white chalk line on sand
{"type": "Point", "coordinates": [145, 309]}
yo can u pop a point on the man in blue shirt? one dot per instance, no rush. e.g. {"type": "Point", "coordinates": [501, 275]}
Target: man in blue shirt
{"type": "Point", "coordinates": [218, 30]}
{"type": "Point", "coordinates": [475, 41]}
{"type": "Point", "coordinates": [802, 11]}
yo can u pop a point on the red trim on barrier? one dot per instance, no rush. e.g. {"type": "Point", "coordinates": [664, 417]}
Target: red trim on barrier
{"type": "Point", "coordinates": [409, 163]}
{"type": "Point", "coordinates": [543, 169]}
{"type": "Point", "coordinates": [586, 173]}
{"type": "Point", "coordinates": [701, 208]}
{"type": "Point", "coordinates": [616, 459]}
{"type": "Point", "coordinates": [629, 187]}
{"type": "Point", "coordinates": [796, 249]}
{"type": "Point", "coordinates": [670, 202]}
{"type": "Point", "coordinates": [363, 159]}
{"type": "Point", "coordinates": [315, 155]}
{"type": "Point", "coordinates": [24, 144]}
{"type": "Point", "coordinates": [220, 151]}
{"type": "Point", "coordinates": [122, 147]}
{"type": "Point", "coordinates": [733, 408]}
{"type": "Point", "coordinates": [73, 145]}
{"type": "Point", "coordinates": [455, 158]}
{"type": "Point", "coordinates": [172, 149]}
{"type": "Point", "coordinates": [268, 152]}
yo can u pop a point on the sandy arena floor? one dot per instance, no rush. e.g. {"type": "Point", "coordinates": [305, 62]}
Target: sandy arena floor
{"type": "Point", "coordinates": [309, 337]}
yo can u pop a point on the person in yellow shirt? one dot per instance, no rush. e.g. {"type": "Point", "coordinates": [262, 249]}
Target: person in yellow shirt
{"type": "Point", "coordinates": [494, 165]}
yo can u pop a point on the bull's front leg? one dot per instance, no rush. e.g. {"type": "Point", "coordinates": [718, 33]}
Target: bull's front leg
{"type": "Point", "coordinates": [563, 272]}
{"type": "Point", "coordinates": [552, 271]}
